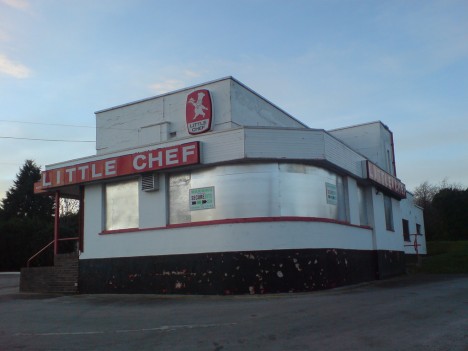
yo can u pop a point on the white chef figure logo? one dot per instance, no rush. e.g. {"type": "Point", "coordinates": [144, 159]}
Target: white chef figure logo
{"type": "Point", "coordinates": [198, 111]}
{"type": "Point", "coordinates": [198, 105]}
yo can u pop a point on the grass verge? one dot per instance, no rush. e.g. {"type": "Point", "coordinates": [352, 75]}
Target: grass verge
{"type": "Point", "coordinates": [445, 257]}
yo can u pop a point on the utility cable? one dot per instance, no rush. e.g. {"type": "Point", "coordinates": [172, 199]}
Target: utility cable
{"type": "Point", "coordinates": [58, 140]}
{"type": "Point", "coordinates": [61, 125]}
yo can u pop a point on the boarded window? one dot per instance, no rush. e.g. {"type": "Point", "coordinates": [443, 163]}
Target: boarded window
{"type": "Point", "coordinates": [388, 212]}
{"type": "Point", "coordinates": [363, 217]}
{"type": "Point", "coordinates": [121, 205]}
{"type": "Point", "coordinates": [418, 229]}
{"type": "Point", "coordinates": [406, 234]}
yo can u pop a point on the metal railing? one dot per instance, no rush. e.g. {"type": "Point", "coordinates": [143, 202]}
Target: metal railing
{"type": "Point", "coordinates": [45, 248]}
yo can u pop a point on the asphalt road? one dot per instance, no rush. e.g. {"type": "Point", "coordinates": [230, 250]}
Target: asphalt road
{"type": "Point", "coordinates": [418, 312]}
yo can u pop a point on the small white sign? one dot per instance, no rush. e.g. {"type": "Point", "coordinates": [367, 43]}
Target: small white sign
{"type": "Point", "coordinates": [202, 198]}
{"type": "Point", "coordinates": [332, 194]}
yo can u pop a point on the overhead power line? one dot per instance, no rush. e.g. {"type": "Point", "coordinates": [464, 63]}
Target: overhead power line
{"type": "Point", "coordinates": [56, 140]}
{"type": "Point", "coordinates": [61, 125]}
{"type": "Point", "coordinates": [46, 124]}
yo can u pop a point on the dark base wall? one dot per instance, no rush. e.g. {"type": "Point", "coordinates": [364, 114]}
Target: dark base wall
{"type": "Point", "coordinates": [254, 272]}
{"type": "Point", "coordinates": [390, 263]}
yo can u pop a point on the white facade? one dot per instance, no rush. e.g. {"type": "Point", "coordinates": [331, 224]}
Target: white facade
{"type": "Point", "coordinates": [275, 183]}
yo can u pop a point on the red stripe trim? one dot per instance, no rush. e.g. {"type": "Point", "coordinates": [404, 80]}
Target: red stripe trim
{"type": "Point", "coordinates": [237, 221]}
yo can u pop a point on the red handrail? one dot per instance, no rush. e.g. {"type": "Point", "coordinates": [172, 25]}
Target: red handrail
{"type": "Point", "coordinates": [46, 247]}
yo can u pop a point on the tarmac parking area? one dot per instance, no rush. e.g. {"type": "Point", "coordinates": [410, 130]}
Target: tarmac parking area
{"type": "Point", "coordinates": [416, 312]}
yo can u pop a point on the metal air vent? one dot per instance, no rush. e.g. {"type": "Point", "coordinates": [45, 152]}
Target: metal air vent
{"type": "Point", "coordinates": [149, 182]}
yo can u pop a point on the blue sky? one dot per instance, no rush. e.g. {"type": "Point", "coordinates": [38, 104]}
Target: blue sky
{"type": "Point", "coordinates": [328, 63]}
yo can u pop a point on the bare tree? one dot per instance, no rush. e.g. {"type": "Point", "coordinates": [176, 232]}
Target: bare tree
{"type": "Point", "coordinates": [69, 206]}
{"type": "Point", "coordinates": [424, 193]}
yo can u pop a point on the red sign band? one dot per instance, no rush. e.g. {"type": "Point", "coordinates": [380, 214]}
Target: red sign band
{"type": "Point", "coordinates": [151, 160]}
{"type": "Point", "coordinates": [385, 179]}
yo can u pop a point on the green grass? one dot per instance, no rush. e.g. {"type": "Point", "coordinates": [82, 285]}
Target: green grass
{"type": "Point", "coordinates": [445, 257]}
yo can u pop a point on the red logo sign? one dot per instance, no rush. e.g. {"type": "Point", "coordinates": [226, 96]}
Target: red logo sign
{"type": "Point", "coordinates": [385, 179]}
{"type": "Point", "coordinates": [199, 112]}
{"type": "Point", "coordinates": [146, 161]}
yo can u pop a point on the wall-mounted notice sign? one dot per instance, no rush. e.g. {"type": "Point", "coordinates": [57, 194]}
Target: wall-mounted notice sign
{"type": "Point", "coordinates": [332, 195]}
{"type": "Point", "coordinates": [202, 198]}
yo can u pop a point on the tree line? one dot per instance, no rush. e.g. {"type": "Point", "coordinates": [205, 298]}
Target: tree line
{"type": "Point", "coordinates": [445, 210]}
{"type": "Point", "coordinates": [27, 221]}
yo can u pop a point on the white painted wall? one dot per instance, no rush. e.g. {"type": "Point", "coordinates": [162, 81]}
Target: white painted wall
{"type": "Point", "coordinates": [153, 205]}
{"type": "Point", "coordinates": [250, 109]}
{"type": "Point", "coordinates": [385, 239]}
{"type": "Point", "coordinates": [299, 144]}
{"type": "Point", "coordinates": [373, 140]}
{"type": "Point", "coordinates": [257, 143]}
{"type": "Point", "coordinates": [353, 202]}
{"type": "Point", "coordinates": [414, 215]}
{"type": "Point", "coordinates": [93, 211]}
{"type": "Point", "coordinates": [125, 126]}
{"type": "Point", "coordinates": [227, 238]}
{"type": "Point", "coordinates": [153, 120]}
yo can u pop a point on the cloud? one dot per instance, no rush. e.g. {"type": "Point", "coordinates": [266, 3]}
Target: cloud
{"type": "Point", "coordinates": [166, 86]}
{"type": "Point", "coordinates": [17, 4]}
{"type": "Point", "coordinates": [192, 74]}
{"type": "Point", "coordinates": [16, 70]}
{"type": "Point", "coordinates": [4, 36]}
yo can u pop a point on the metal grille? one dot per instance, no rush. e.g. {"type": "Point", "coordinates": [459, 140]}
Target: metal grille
{"type": "Point", "coordinates": [149, 182]}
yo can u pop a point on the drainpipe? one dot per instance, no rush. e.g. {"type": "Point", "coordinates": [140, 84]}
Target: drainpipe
{"type": "Point", "coordinates": [56, 221]}
{"type": "Point", "coordinates": [81, 220]}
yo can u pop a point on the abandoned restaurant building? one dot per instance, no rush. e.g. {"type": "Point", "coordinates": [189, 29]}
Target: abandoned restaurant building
{"type": "Point", "coordinates": [213, 189]}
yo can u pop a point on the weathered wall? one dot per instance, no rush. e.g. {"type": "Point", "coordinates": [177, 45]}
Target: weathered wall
{"type": "Point", "coordinates": [414, 215]}
{"type": "Point", "coordinates": [268, 234]}
{"type": "Point", "coordinates": [247, 272]}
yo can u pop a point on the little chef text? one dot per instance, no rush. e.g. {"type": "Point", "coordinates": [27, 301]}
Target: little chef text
{"type": "Point", "coordinates": [151, 160]}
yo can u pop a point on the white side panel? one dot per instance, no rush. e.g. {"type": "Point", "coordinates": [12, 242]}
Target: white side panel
{"type": "Point", "coordinates": [93, 214]}
{"type": "Point", "coordinates": [365, 139]}
{"type": "Point", "coordinates": [152, 205]}
{"type": "Point", "coordinates": [386, 151]}
{"type": "Point", "coordinates": [398, 225]}
{"type": "Point", "coordinates": [150, 135]}
{"type": "Point", "coordinates": [284, 143]}
{"type": "Point", "coordinates": [341, 155]}
{"type": "Point", "coordinates": [260, 143]}
{"type": "Point", "coordinates": [121, 127]}
{"type": "Point", "coordinates": [386, 239]}
{"type": "Point", "coordinates": [353, 201]}
{"type": "Point", "coordinates": [373, 140]}
{"type": "Point", "coordinates": [228, 238]}
{"type": "Point", "coordinates": [215, 147]}
{"type": "Point", "coordinates": [222, 146]}
{"type": "Point", "coordinates": [154, 133]}
{"type": "Point", "coordinates": [297, 144]}
{"type": "Point", "coordinates": [250, 109]}
{"type": "Point", "coordinates": [118, 129]}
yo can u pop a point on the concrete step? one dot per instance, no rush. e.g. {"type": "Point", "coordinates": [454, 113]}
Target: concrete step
{"type": "Point", "coordinates": [60, 278]}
